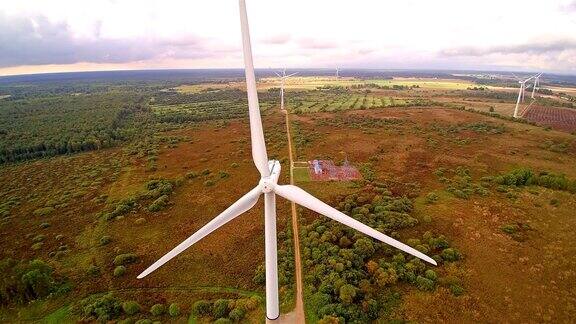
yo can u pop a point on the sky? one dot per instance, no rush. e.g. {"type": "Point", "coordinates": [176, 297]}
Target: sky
{"type": "Point", "coordinates": [39, 36]}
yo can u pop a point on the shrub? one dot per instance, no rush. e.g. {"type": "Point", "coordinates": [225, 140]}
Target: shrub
{"type": "Point", "coordinates": [105, 240]}
{"type": "Point", "coordinates": [220, 308]}
{"type": "Point", "coordinates": [131, 307]}
{"type": "Point", "coordinates": [174, 310]}
{"type": "Point", "coordinates": [223, 321]}
{"type": "Point", "coordinates": [510, 228]}
{"type": "Point", "coordinates": [158, 204]}
{"type": "Point", "coordinates": [431, 198]}
{"type": "Point", "coordinates": [430, 274]}
{"type": "Point", "coordinates": [451, 254]}
{"type": "Point", "coordinates": [234, 165]}
{"type": "Point", "coordinates": [44, 225]}
{"type": "Point", "coordinates": [44, 211]}
{"type": "Point", "coordinates": [140, 220]}
{"type": "Point", "coordinates": [157, 309]}
{"type": "Point", "coordinates": [202, 308]}
{"type": "Point", "coordinates": [191, 175]}
{"type": "Point", "coordinates": [347, 293]}
{"type": "Point", "coordinates": [125, 258]}
{"type": "Point", "coordinates": [144, 321]}
{"type": "Point", "coordinates": [223, 174]}
{"type": "Point", "coordinates": [456, 290]}
{"type": "Point", "coordinates": [37, 246]}
{"type": "Point", "coordinates": [39, 238]}
{"type": "Point", "coordinates": [209, 183]}
{"type": "Point", "coordinates": [237, 314]}
{"type": "Point", "coordinates": [103, 308]}
{"type": "Point", "coordinates": [93, 270]}
{"type": "Point", "coordinates": [424, 284]}
{"type": "Point", "coordinates": [119, 271]}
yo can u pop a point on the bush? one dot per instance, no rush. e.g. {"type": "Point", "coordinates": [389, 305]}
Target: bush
{"type": "Point", "coordinates": [202, 308]}
{"type": "Point", "coordinates": [119, 271]}
{"type": "Point", "coordinates": [510, 228]}
{"type": "Point", "coordinates": [125, 258]}
{"type": "Point", "coordinates": [209, 183]}
{"type": "Point", "coordinates": [424, 284]}
{"type": "Point", "coordinates": [191, 175]}
{"type": "Point", "coordinates": [222, 321]}
{"type": "Point", "coordinates": [157, 309]}
{"type": "Point", "coordinates": [105, 240]}
{"type": "Point", "coordinates": [43, 211]}
{"type": "Point", "coordinates": [131, 307]}
{"type": "Point", "coordinates": [158, 204]}
{"type": "Point", "coordinates": [93, 270]}
{"type": "Point", "coordinates": [174, 310]}
{"type": "Point", "coordinates": [144, 321]}
{"type": "Point", "coordinates": [103, 308]}
{"type": "Point", "coordinates": [456, 290]}
{"type": "Point", "coordinates": [220, 308]}
{"type": "Point", "coordinates": [430, 274]}
{"type": "Point", "coordinates": [451, 254]}
{"type": "Point", "coordinates": [44, 225]}
{"type": "Point", "coordinates": [37, 246]}
{"type": "Point", "coordinates": [237, 314]}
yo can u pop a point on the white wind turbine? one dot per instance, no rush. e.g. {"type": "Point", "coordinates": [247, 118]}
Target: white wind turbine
{"type": "Point", "coordinates": [268, 185]}
{"type": "Point", "coordinates": [521, 93]}
{"type": "Point", "coordinates": [337, 71]}
{"type": "Point", "coordinates": [536, 84]}
{"type": "Point", "coordinates": [283, 79]}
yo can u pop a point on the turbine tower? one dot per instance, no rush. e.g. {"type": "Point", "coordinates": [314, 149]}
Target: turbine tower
{"type": "Point", "coordinates": [536, 84]}
{"type": "Point", "coordinates": [337, 71]}
{"type": "Point", "coordinates": [283, 78]}
{"type": "Point", "coordinates": [268, 185]}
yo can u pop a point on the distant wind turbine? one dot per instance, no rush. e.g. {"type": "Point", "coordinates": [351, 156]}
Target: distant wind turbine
{"type": "Point", "coordinates": [536, 84]}
{"type": "Point", "coordinates": [337, 70]}
{"type": "Point", "coordinates": [521, 93]}
{"type": "Point", "coordinates": [268, 185]}
{"type": "Point", "coordinates": [283, 79]}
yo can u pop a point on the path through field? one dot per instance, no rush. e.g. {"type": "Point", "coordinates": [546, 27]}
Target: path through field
{"type": "Point", "coordinates": [296, 316]}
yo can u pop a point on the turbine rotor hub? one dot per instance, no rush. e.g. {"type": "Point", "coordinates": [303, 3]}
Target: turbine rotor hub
{"type": "Point", "coordinates": [267, 184]}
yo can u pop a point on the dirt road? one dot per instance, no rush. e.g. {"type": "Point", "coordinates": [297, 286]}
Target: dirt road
{"type": "Point", "coordinates": [296, 316]}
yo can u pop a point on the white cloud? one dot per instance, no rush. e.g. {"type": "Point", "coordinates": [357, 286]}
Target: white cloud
{"type": "Point", "coordinates": [298, 33]}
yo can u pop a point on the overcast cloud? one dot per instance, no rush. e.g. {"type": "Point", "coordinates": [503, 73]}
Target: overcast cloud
{"type": "Point", "coordinates": [66, 35]}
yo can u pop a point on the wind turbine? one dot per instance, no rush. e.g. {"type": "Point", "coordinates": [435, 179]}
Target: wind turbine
{"type": "Point", "coordinates": [521, 93]}
{"type": "Point", "coordinates": [268, 185]}
{"type": "Point", "coordinates": [337, 70]}
{"type": "Point", "coordinates": [283, 78]}
{"type": "Point", "coordinates": [536, 84]}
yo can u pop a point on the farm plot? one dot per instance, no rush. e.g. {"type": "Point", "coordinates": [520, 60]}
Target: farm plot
{"type": "Point", "coordinates": [558, 118]}
{"type": "Point", "coordinates": [317, 101]}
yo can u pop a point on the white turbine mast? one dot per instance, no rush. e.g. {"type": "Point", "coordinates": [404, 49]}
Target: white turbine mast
{"type": "Point", "coordinates": [268, 185]}
{"type": "Point", "coordinates": [283, 77]}
{"type": "Point", "coordinates": [536, 84]}
{"type": "Point", "coordinates": [337, 72]}
{"type": "Point", "coordinates": [521, 92]}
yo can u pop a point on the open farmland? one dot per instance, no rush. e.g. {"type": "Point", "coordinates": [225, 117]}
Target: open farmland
{"type": "Point", "coordinates": [474, 189]}
{"type": "Point", "coordinates": [557, 118]}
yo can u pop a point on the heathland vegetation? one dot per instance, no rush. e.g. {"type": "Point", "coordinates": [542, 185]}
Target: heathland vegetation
{"type": "Point", "coordinates": [98, 179]}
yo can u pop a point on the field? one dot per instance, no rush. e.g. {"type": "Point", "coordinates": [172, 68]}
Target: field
{"type": "Point", "coordinates": [98, 180]}
{"type": "Point", "coordinates": [557, 118]}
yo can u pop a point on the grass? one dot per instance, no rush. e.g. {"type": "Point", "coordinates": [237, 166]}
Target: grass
{"type": "Point", "coordinates": [301, 175]}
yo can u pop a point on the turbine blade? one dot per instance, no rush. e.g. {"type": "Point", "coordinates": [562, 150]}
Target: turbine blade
{"type": "Point", "coordinates": [259, 154]}
{"type": "Point", "coordinates": [277, 74]}
{"type": "Point", "coordinates": [240, 206]}
{"type": "Point", "coordinates": [305, 199]}
{"type": "Point", "coordinates": [289, 75]}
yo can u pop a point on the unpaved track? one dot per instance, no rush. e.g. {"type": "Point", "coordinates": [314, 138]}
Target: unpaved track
{"type": "Point", "coordinates": [296, 316]}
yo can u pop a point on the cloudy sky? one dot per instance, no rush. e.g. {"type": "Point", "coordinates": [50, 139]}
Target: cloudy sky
{"type": "Point", "coordinates": [60, 35]}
